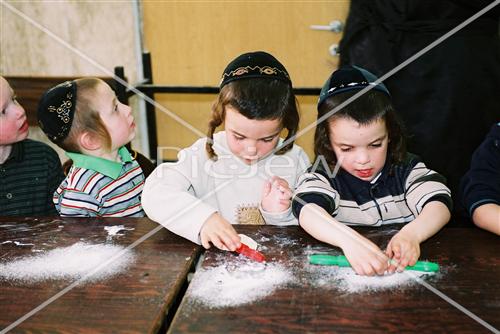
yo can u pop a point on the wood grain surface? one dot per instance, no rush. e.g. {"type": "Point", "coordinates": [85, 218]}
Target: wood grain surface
{"type": "Point", "coordinates": [136, 300]}
{"type": "Point", "coordinates": [470, 273]}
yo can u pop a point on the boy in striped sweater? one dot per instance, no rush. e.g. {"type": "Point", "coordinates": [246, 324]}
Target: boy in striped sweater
{"type": "Point", "coordinates": [85, 118]}
{"type": "Point", "coordinates": [363, 176]}
{"type": "Point", "coordinates": [30, 171]}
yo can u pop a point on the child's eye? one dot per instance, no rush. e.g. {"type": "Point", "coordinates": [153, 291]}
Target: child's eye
{"type": "Point", "coordinates": [238, 138]}
{"type": "Point", "coordinates": [268, 140]}
{"type": "Point", "coordinates": [345, 149]}
{"type": "Point", "coordinates": [376, 145]}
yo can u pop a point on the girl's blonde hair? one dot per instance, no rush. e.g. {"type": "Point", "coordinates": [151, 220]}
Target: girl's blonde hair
{"type": "Point", "coordinates": [86, 118]}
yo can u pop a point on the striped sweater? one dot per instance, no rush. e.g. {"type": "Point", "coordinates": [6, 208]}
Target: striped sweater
{"type": "Point", "coordinates": [93, 189]}
{"type": "Point", "coordinates": [397, 195]}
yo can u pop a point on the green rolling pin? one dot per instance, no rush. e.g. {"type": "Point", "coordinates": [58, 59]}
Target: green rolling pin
{"type": "Point", "coordinates": [341, 261]}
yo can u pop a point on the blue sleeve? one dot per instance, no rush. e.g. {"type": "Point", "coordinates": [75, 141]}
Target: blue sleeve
{"type": "Point", "coordinates": [481, 184]}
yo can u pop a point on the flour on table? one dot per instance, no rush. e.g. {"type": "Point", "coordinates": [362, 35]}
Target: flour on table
{"type": "Point", "coordinates": [73, 262]}
{"type": "Point", "coordinates": [237, 283]}
{"type": "Point", "coordinates": [345, 279]}
{"type": "Point", "coordinates": [113, 230]}
{"type": "Point", "coordinates": [17, 243]}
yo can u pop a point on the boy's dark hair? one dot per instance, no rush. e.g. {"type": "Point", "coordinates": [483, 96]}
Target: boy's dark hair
{"type": "Point", "coordinates": [368, 108]}
{"type": "Point", "coordinates": [373, 105]}
{"type": "Point", "coordinates": [260, 99]}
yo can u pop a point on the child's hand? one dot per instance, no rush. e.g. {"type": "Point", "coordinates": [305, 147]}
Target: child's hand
{"type": "Point", "coordinates": [403, 250]}
{"type": "Point", "coordinates": [220, 233]}
{"type": "Point", "coordinates": [366, 258]}
{"type": "Point", "coordinates": [276, 195]}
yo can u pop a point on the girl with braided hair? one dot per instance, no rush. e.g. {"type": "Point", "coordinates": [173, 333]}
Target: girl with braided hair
{"type": "Point", "coordinates": [242, 175]}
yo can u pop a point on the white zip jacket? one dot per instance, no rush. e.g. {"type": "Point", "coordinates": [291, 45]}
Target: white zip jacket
{"type": "Point", "coordinates": [181, 196]}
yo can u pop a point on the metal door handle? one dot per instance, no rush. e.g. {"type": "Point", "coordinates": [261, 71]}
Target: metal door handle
{"type": "Point", "coordinates": [334, 50]}
{"type": "Point", "coordinates": [334, 26]}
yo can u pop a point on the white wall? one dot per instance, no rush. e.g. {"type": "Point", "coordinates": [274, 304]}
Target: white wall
{"type": "Point", "coordinates": [68, 38]}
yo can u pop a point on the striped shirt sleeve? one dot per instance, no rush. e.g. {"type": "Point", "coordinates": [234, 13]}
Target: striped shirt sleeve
{"type": "Point", "coordinates": [315, 188]}
{"type": "Point", "coordinates": [74, 196]}
{"type": "Point", "coordinates": [77, 204]}
{"type": "Point", "coordinates": [424, 185]}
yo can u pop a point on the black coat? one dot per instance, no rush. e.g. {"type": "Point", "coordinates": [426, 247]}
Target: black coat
{"type": "Point", "coordinates": [449, 97]}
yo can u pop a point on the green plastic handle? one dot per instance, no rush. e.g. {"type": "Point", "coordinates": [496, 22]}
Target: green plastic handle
{"type": "Point", "coordinates": [424, 266]}
{"type": "Point", "coordinates": [329, 260]}
{"type": "Point", "coordinates": [341, 261]}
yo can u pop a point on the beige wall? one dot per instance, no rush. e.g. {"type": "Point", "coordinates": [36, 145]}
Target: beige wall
{"type": "Point", "coordinates": [68, 38]}
{"type": "Point", "coordinates": [82, 38]}
{"type": "Point", "coordinates": [192, 42]}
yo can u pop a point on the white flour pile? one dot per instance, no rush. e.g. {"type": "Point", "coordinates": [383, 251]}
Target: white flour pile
{"type": "Point", "coordinates": [71, 262]}
{"type": "Point", "coordinates": [237, 283]}
{"type": "Point", "coordinates": [347, 280]}
{"type": "Point", "coordinates": [113, 230]}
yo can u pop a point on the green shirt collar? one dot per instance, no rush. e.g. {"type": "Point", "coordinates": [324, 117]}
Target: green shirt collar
{"type": "Point", "coordinates": [100, 165]}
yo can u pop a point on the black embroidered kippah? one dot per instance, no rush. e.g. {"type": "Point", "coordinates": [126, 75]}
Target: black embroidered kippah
{"type": "Point", "coordinates": [348, 78]}
{"type": "Point", "coordinates": [257, 64]}
{"type": "Point", "coordinates": [56, 110]}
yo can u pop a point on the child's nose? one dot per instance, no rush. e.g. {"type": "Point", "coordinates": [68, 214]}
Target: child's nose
{"type": "Point", "coordinates": [20, 112]}
{"type": "Point", "coordinates": [363, 157]}
{"type": "Point", "coordinates": [128, 111]}
{"type": "Point", "coordinates": [251, 149]}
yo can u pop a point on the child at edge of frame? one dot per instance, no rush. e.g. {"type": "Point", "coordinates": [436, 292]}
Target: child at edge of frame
{"type": "Point", "coordinates": [480, 186]}
{"type": "Point", "coordinates": [30, 171]}
{"type": "Point", "coordinates": [363, 176]}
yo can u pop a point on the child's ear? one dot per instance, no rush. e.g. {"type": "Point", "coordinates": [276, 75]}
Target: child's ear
{"type": "Point", "coordinates": [89, 141]}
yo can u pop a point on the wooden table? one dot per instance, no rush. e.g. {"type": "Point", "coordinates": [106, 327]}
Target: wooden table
{"type": "Point", "coordinates": [134, 301]}
{"type": "Point", "coordinates": [470, 263]}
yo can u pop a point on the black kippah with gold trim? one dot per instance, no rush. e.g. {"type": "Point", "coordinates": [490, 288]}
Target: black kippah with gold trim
{"type": "Point", "coordinates": [257, 64]}
{"type": "Point", "coordinates": [56, 110]}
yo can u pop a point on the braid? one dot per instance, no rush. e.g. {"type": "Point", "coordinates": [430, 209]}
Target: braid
{"type": "Point", "coordinates": [217, 119]}
{"type": "Point", "coordinates": [290, 122]}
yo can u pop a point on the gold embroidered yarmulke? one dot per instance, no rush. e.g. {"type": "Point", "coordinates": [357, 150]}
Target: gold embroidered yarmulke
{"type": "Point", "coordinates": [257, 64]}
{"type": "Point", "coordinates": [56, 110]}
